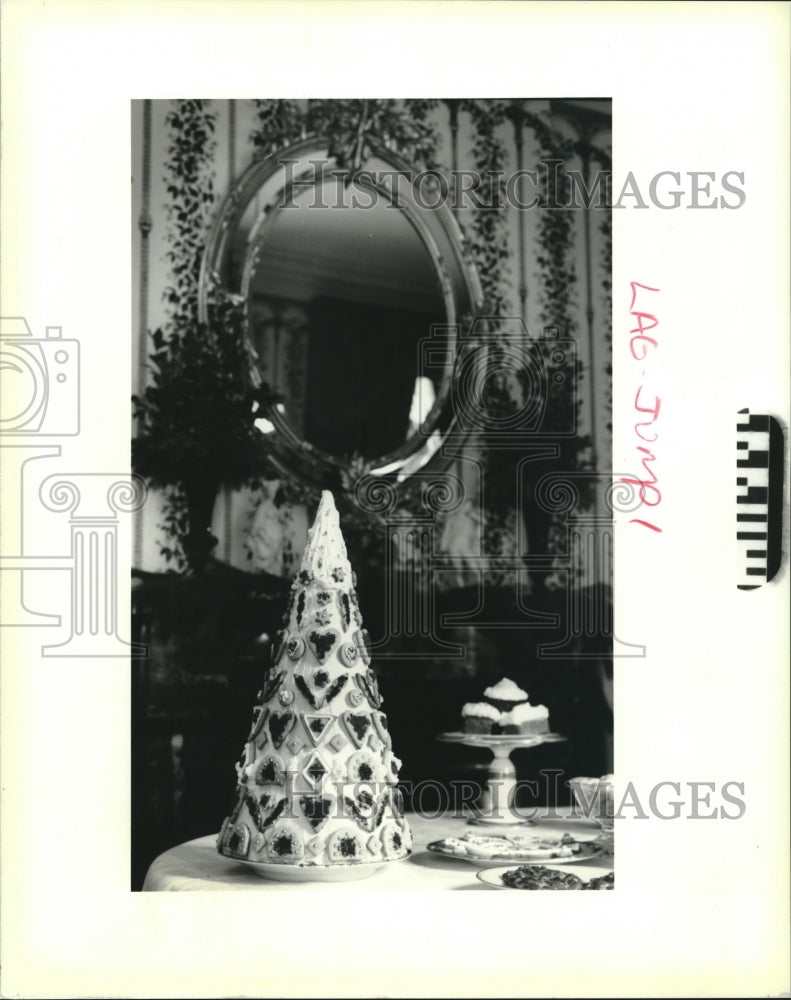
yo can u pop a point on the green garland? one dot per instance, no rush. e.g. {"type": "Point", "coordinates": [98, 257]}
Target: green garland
{"type": "Point", "coordinates": [421, 146]}
{"type": "Point", "coordinates": [557, 283]}
{"type": "Point", "coordinates": [489, 244]}
{"type": "Point", "coordinates": [350, 125]}
{"type": "Point", "coordinates": [557, 273]}
{"type": "Point", "coordinates": [605, 228]}
{"type": "Point", "coordinates": [189, 177]}
{"type": "Point", "coordinates": [189, 180]}
{"type": "Point", "coordinates": [280, 123]}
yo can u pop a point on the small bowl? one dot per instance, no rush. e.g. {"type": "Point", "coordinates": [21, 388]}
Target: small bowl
{"type": "Point", "coordinates": [594, 799]}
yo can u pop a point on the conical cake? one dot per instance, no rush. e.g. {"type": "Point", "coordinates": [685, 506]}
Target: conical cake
{"type": "Point", "coordinates": [316, 789]}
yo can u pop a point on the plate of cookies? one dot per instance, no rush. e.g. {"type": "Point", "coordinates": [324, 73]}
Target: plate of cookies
{"type": "Point", "coordinates": [548, 877]}
{"type": "Point", "coordinates": [480, 849]}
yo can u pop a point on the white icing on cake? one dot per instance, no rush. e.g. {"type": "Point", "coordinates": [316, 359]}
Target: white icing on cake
{"type": "Point", "coordinates": [605, 779]}
{"type": "Point", "coordinates": [318, 796]}
{"type": "Point", "coordinates": [524, 713]}
{"type": "Point", "coordinates": [505, 690]}
{"type": "Point", "coordinates": [325, 556]}
{"type": "Point", "coordinates": [481, 710]}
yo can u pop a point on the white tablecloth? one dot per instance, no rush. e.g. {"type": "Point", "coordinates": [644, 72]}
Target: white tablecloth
{"type": "Point", "coordinates": [196, 866]}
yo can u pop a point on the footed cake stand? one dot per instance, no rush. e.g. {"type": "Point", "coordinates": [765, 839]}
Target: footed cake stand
{"type": "Point", "coordinates": [501, 781]}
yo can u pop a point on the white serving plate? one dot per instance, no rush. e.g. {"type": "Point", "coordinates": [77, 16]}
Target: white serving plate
{"type": "Point", "coordinates": [314, 873]}
{"type": "Point", "coordinates": [494, 876]}
{"type": "Point", "coordinates": [588, 850]}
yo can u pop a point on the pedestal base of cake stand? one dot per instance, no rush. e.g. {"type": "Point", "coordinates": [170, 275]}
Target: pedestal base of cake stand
{"type": "Point", "coordinates": [497, 802]}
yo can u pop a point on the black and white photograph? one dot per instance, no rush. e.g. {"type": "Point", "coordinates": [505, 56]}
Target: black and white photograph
{"type": "Point", "coordinates": [394, 422]}
{"type": "Point", "coordinates": [375, 402]}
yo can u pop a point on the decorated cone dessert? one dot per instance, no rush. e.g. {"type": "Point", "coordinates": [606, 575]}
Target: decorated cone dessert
{"type": "Point", "coordinates": [316, 791]}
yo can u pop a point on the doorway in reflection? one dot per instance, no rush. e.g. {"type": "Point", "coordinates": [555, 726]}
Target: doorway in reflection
{"type": "Point", "coordinates": [339, 299]}
{"type": "Point", "coordinates": [362, 366]}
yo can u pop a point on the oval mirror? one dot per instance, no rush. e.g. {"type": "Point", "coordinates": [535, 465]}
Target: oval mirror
{"type": "Point", "coordinates": [352, 287]}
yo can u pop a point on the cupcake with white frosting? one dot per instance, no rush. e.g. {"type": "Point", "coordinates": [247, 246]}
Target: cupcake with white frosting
{"type": "Point", "coordinates": [525, 719]}
{"type": "Point", "coordinates": [505, 695]}
{"type": "Point", "coordinates": [479, 717]}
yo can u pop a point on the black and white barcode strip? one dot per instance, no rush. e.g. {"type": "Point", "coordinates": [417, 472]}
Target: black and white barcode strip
{"type": "Point", "coordinates": [759, 492]}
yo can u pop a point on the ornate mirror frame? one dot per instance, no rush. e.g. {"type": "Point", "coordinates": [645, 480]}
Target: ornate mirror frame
{"type": "Point", "coordinates": [273, 179]}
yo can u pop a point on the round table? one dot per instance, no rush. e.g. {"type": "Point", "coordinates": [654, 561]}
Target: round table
{"type": "Point", "coordinates": [196, 866]}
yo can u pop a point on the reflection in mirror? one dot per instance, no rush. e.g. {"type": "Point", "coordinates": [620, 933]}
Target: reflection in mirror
{"type": "Point", "coordinates": [353, 293]}
{"type": "Point", "coordinates": [339, 298]}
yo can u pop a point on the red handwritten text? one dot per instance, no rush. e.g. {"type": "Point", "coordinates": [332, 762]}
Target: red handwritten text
{"type": "Point", "coordinates": [646, 404]}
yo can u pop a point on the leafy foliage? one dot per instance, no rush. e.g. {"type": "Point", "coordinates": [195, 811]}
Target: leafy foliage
{"type": "Point", "coordinates": [189, 211]}
{"type": "Point", "coordinates": [194, 418]}
{"type": "Point", "coordinates": [280, 123]}
{"type": "Point", "coordinates": [605, 228]}
{"type": "Point", "coordinates": [403, 126]}
{"type": "Point", "coordinates": [557, 282]}
{"type": "Point", "coordinates": [489, 243]}
{"type": "Point", "coordinates": [196, 414]}
{"type": "Point", "coordinates": [557, 272]}
{"type": "Point", "coordinates": [349, 125]}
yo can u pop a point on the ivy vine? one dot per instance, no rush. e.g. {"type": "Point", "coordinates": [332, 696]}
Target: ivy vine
{"type": "Point", "coordinates": [604, 161]}
{"type": "Point", "coordinates": [557, 283]}
{"type": "Point", "coordinates": [557, 271]}
{"type": "Point", "coordinates": [489, 243]}
{"type": "Point", "coordinates": [401, 126]}
{"type": "Point", "coordinates": [189, 179]}
{"type": "Point", "coordinates": [194, 417]}
{"type": "Point", "coordinates": [279, 123]}
{"type": "Point", "coordinates": [491, 255]}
